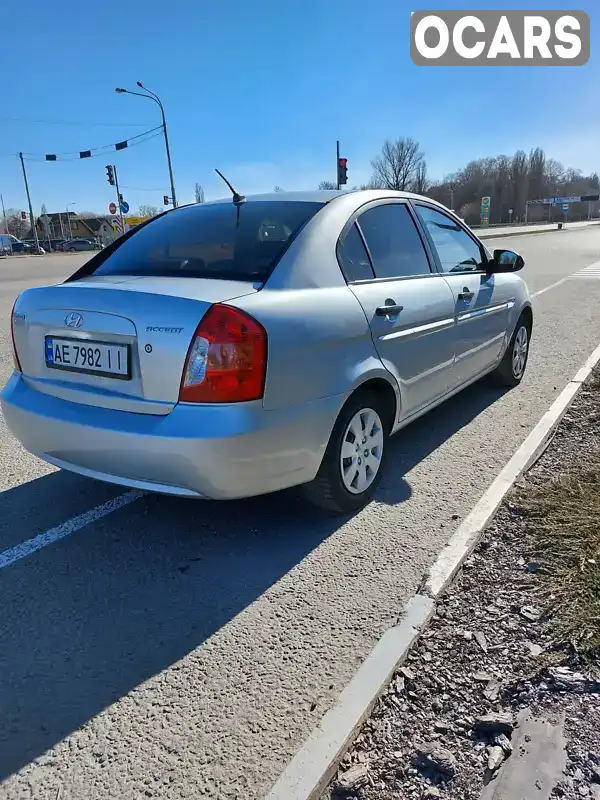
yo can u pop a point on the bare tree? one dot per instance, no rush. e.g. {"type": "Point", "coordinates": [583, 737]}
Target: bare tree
{"type": "Point", "coordinates": [555, 175]}
{"type": "Point", "coordinates": [520, 181]}
{"type": "Point", "coordinates": [510, 181]}
{"type": "Point", "coordinates": [15, 224]}
{"type": "Point", "coordinates": [147, 211]}
{"type": "Point", "coordinates": [537, 173]}
{"type": "Point", "coordinates": [199, 193]}
{"type": "Point", "coordinates": [397, 165]}
{"type": "Point", "coordinates": [420, 182]}
{"type": "Point", "coordinates": [327, 186]}
{"type": "Point", "coordinates": [370, 185]}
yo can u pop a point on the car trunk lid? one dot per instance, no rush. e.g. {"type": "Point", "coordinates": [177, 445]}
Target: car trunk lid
{"type": "Point", "coordinates": [145, 323]}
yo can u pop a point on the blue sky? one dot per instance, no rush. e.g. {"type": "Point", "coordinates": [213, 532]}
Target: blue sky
{"type": "Point", "coordinates": [262, 89]}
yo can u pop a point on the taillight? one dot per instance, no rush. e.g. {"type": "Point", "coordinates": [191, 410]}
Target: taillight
{"type": "Point", "coordinates": [227, 359]}
{"type": "Point", "coordinates": [12, 334]}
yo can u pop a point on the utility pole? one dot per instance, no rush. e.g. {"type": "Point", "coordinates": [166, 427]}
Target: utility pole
{"type": "Point", "coordinates": [164, 122]}
{"type": "Point", "coordinates": [69, 221]}
{"type": "Point", "coordinates": [119, 201]}
{"type": "Point", "coordinates": [31, 220]}
{"type": "Point", "coordinates": [5, 224]}
{"type": "Point", "coordinates": [451, 198]}
{"type": "Point", "coordinates": [337, 162]}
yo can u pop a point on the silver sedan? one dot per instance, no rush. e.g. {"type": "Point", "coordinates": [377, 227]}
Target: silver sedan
{"type": "Point", "coordinates": [234, 348]}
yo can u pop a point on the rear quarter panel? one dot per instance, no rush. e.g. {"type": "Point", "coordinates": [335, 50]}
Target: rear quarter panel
{"type": "Point", "coordinates": [319, 344]}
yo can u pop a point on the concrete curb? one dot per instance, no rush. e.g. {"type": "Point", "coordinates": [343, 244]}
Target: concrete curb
{"type": "Point", "coordinates": [520, 233]}
{"type": "Point", "coordinates": [317, 760]}
{"type": "Point", "coordinates": [553, 228]}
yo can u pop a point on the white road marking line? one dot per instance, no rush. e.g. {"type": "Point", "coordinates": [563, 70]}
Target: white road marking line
{"type": "Point", "coordinates": [547, 288]}
{"type": "Point", "coordinates": [24, 549]}
{"type": "Point", "coordinates": [591, 272]}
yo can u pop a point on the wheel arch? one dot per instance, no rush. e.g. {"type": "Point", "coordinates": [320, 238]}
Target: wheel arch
{"type": "Point", "coordinates": [527, 312]}
{"type": "Point", "coordinates": [384, 389]}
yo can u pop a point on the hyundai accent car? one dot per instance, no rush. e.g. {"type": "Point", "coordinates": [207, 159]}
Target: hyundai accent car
{"type": "Point", "coordinates": [235, 348]}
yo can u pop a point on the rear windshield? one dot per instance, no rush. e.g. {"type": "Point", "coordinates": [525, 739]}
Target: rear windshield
{"type": "Point", "coordinates": [218, 240]}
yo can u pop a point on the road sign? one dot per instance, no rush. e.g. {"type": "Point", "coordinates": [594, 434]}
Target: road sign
{"type": "Point", "coordinates": [485, 210]}
{"type": "Point", "coordinates": [112, 208]}
{"type": "Point", "coordinates": [566, 200]}
{"type": "Point", "coordinates": [124, 207]}
{"type": "Point", "coordinates": [565, 207]}
{"type": "Point", "coordinates": [132, 221]}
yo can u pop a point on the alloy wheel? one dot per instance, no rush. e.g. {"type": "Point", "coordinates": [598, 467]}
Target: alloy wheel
{"type": "Point", "coordinates": [519, 356]}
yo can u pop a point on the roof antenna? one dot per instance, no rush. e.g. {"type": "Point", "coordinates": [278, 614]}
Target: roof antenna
{"type": "Point", "coordinates": [237, 198]}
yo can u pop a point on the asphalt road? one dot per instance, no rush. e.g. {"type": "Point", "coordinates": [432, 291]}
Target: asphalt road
{"type": "Point", "coordinates": [174, 648]}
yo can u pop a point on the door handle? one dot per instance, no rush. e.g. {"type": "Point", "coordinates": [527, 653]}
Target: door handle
{"type": "Point", "coordinates": [388, 311]}
{"type": "Point", "coordinates": [466, 294]}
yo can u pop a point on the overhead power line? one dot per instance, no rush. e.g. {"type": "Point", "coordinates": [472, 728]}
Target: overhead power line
{"type": "Point", "coordinates": [74, 122]}
{"type": "Point", "coordinates": [138, 189]}
{"type": "Point", "coordinates": [93, 152]}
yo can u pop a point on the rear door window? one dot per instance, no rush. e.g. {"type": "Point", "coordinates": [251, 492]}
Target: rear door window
{"type": "Point", "coordinates": [212, 240]}
{"type": "Point", "coordinates": [393, 240]}
{"type": "Point", "coordinates": [354, 258]}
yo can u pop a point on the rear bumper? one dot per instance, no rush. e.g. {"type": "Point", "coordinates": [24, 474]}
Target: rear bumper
{"type": "Point", "coordinates": [220, 452]}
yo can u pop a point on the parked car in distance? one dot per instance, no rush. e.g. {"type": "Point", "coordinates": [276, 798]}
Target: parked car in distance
{"type": "Point", "coordinates": [76, 245]}
{"type": "Point", "coordinates": [53, 243]}
{"type": "Point", "coordinates": [229, 349]}
{"type": "Point", "coordinates": [10, 244]}
{"type": "Point", "coordinates": [32, 245]}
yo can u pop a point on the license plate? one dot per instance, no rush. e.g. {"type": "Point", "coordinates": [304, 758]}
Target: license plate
{"type": "Point", "coordinates": [93, 358]}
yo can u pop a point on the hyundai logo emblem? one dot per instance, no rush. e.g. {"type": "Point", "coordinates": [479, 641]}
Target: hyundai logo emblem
{"type": "Point", "coordinates": [73, 320]}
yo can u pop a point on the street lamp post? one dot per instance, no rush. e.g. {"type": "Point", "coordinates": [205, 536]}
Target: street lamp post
{"type": "Point", "coordinates": [151, 96]}
{"type": "Point", "coordinates": [69, 220]}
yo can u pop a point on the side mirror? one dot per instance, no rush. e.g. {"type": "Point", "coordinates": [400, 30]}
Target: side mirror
{"type": "Point", "coordinates": [507, 261]}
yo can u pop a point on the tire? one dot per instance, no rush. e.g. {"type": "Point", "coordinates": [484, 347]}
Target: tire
{"type": "Point", "coordinates": [340, 491]}
{"type": "Point", "coordinates": [72, 249]}
{"type": "Point", "coordinates": [512, 368]}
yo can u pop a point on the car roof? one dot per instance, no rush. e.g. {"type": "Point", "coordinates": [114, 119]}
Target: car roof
{"type": "Point", "coordinates": [319, 196]}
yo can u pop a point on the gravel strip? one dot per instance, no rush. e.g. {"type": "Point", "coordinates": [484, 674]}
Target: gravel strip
{"type": "Point", "coordinates": [445, 724]}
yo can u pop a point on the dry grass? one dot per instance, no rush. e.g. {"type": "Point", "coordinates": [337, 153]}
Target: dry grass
{"type": "Point", "coordinates": [563, 517]}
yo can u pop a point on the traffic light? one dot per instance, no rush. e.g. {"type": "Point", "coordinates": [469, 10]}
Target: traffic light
{"type": "Point", "coordinates": [120, 199]}
{"type": "Point", "coordinates": [342, 171]}
{"type": "Point", "coordinates": [110, 172]}
{"type": "Point", "coordinates": [166, 199]}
